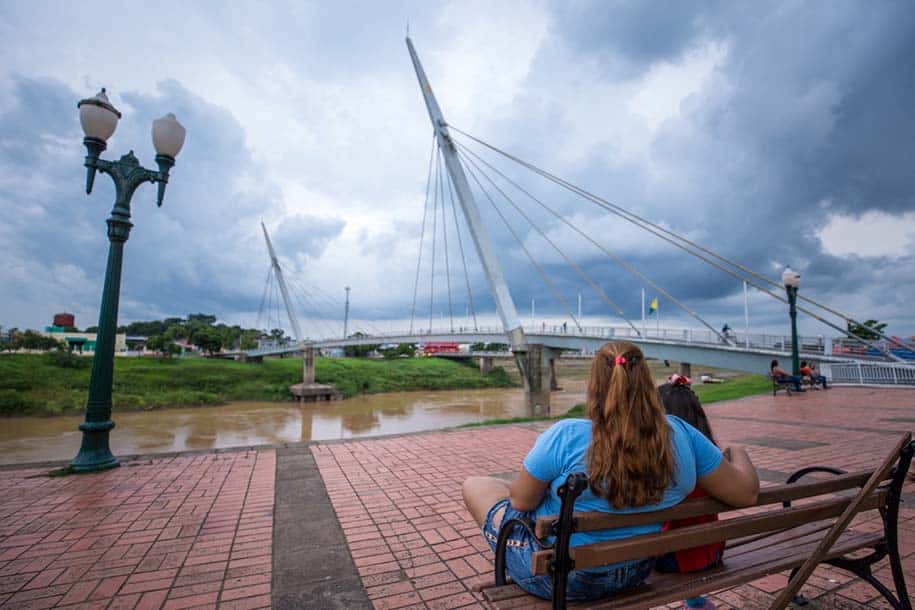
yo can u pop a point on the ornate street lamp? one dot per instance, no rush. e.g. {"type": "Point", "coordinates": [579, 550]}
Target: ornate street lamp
{"type": "Point", "coordinates": [792, 281]}
{"type": "Point", "coordinates": [99, 120]}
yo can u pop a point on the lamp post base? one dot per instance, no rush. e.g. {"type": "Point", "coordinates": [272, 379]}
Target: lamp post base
{"type": "Point", "coordinates": [94, 453]}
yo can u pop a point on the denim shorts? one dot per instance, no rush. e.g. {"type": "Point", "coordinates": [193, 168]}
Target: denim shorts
{"type": "Point", "coordinates": [582, 584]}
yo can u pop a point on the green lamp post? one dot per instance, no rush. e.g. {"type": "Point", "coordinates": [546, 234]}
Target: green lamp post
{"type": "Point", "coordinates": [99, 120]}
{"type": "Point", "coordinates": [792, 281]}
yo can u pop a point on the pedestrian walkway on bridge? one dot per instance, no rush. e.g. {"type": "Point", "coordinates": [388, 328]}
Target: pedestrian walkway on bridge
{"type": "Point", "coordinates": [375, 523]}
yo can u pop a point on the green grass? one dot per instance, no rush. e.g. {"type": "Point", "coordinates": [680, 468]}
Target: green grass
{"type": "Point", "coordinates": [708, 393]}
{"type": "Point", "coordinates": [36, 384]}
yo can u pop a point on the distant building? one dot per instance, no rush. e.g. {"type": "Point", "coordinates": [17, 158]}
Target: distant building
{"type": "Point", "coordinates": [65, 320]}
{"type": "Point", "coordinates": [82, 342]}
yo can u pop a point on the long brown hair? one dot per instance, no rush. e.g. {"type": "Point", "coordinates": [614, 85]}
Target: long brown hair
{"type": "Point", "coordinates": [630, 461]}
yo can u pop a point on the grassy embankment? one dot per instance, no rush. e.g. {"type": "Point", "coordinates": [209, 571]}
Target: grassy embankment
{"type": "Point", "coordinates": [35, 385]}
{"type": "Point", "coordinates": [737, 386]}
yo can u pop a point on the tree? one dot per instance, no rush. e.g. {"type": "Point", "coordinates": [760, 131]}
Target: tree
{"type": "Point", "coordinates": [163, 345]}
{"type": "Point", "coordinates": [32, 340]}
{"type": "Point", "coordinates": [277, 334]}
{"type": "Point", "coordinates": [403, 349]}
{"type": "Point", "coordinates": [866, 329]}
{"type": "Point", "coordinates": [207, 339]}
{"type": "Point", "coordinates": [201, 318]}
{"type": "Point", "coordinates": [358, 351]}
{"type": "Point", "coordinates": [248, 339]}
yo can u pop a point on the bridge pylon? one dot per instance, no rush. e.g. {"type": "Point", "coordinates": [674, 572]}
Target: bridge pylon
{"type": "Point", "coordinates": [528, 357]}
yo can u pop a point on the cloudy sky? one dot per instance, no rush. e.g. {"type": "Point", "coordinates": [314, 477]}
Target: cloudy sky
{"type": "Point", "coordinates": [778, 133]}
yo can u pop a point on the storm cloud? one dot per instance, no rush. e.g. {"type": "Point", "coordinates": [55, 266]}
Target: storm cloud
{"type": "Point", "coordinates": [775, 133]}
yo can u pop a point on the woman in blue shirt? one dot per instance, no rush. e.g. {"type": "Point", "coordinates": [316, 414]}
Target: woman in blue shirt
{"type": "Point", "coordinates": [637, 460]}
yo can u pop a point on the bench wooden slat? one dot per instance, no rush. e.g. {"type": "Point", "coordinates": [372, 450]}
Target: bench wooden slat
{"type": "Point", "coordinates": [650, 545]}
{"type": "Point", "coordinates": [590, 521]}
{"type": "Point", "coordinates": [762, 541]}
{"type": "Point", "coordinates": [665, 588]}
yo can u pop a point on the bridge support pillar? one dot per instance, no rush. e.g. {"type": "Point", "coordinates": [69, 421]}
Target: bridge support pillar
{"type": "Point", "coordinates": [538, 371]}
{"type": "Point", "coordinates": [308, 365]}
{"type": "Point", "coordinates": [487, 364]}
{"type": "Point", "coordinates": [686, 369]}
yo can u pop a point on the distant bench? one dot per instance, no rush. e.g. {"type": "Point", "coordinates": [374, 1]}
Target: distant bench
{"type": "Point", "coordinates": [779, 537]}
{"type": "Point", "coordinates": [780, 383]}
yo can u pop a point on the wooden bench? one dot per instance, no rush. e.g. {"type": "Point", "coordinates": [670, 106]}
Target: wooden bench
{"type": "Point", "coordinates": [772, 537]}
{"type": "Point", "coordinates": [781, 384]}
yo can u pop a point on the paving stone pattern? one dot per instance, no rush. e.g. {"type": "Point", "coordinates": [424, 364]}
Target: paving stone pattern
{"type": "Point", "coordinates": [177, 532]}
{"type": "Point", "coordinates": [398, 500]}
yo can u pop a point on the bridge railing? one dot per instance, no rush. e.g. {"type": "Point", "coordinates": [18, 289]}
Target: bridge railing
{"type": "Point", "coordinates": [870, 373]}
{"type": "Point", "coordinates": [751, 341]}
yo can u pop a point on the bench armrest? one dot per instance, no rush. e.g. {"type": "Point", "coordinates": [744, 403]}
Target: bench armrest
{"type": "Point", "coordinates": [805, 471]}
{"type": "Point", "coordinates": [505, 530]}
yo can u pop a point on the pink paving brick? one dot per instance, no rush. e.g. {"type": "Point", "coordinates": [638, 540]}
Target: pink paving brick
{"type": "Point", "coordinates": [159, 532]}
{"type": "Point", "coordinates": [420, 476]}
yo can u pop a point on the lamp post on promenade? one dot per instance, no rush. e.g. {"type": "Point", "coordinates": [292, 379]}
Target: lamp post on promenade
{"type": "Point", "coordinates": [99, 120]}
{"type": "Point", "coordinates": [792, 281]}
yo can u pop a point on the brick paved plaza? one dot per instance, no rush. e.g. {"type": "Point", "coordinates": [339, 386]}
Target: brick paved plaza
{"type": "Point", "coordinates": [247, 528]}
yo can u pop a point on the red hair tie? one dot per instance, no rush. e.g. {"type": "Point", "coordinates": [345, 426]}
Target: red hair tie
{"type": "Point", "coordinates": [680, 380]}
{"type": "Point", "coordinates": [619, 360]}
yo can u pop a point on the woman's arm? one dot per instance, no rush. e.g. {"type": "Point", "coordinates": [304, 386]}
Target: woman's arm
{"type": "Point", "coordinates": [526, 491]}
{"type": "Point", "coordinates": [734, 481]}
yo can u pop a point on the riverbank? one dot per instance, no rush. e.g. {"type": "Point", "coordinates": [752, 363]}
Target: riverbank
{"type": "Point", "coordinates": [734, 386]}
{"type": "Point", "coordinates": [40, 385]}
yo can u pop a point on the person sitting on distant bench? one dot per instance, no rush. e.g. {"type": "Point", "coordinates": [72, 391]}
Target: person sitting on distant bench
{"type": "Point", "coordinates": [810, 371]}
{"type": "Point", "coordinates": [782, 376]}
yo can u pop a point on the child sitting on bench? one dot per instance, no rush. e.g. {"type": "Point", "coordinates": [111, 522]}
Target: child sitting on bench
{"type": "Point", "coordinates": [678, 399]}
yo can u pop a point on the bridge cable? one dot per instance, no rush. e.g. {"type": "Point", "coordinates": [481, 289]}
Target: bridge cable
{"type": "Point", "coordinates": [334, 303]}
{"type": "Point", "coordinates": [444, 174]}
{"type": "Point", "coordinates": [600, 291]}
{"type": "Point", "coordinates": [307, 302]}
{"type": "Point", "coordinates": [543, 275]}
{"type": "Point", "coordinates": [660, 232]}
{"type": "Point", "coordinates": [422, 235]}
{"type": "Point", "coordinates": [434, 237]}
{"type": "Point", "coordinates": [457, 229]}
{"type": "Point", "coordinates": [619, 261]}
{"type": "Point", "coordinates": [260, 307]}
{"type": "Point", "coordinates": [317, 319]}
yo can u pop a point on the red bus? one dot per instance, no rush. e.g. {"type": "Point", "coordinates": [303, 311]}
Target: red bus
{"type": "Point", "coordinates": [441, 348]}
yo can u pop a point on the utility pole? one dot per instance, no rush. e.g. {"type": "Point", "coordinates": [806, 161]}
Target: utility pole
{"type": "Point", "coordinates": [746, 315]}
{"type": "Point", "coordinates": [643, 312]}
{"type": "Point", "coordinates": [346, 314]}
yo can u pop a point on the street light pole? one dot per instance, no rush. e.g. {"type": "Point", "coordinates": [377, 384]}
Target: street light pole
{"type": "Point", "coordinates": [792, 281]}
{"type": "Point", "coordinates": [346, 314]}
{"type": "Point", "coordinates": [99, 120]}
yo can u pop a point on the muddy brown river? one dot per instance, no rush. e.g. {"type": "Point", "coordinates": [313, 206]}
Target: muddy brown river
{"type": "Point", "coordinates": [240, 424]}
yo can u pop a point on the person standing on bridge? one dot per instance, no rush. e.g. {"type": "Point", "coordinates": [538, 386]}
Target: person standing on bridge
{"type": "Point", "coordinates": [637, 459]}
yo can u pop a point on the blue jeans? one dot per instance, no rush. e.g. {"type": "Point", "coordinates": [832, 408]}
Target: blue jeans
{"type": "Point", "coordinates": [791, 379]}
{"type": "Point", "coordinates": [582, 584]}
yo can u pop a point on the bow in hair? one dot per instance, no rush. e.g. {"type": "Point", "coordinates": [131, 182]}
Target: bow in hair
{"type": "Point", "coordinates": [680, 380]}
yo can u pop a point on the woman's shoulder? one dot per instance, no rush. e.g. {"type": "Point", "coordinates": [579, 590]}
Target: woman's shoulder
{"type": "Point", "coordinates": [572, 425]}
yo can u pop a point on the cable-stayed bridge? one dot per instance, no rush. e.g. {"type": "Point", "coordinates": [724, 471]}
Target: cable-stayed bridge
{"type": "Point", "coordinates": [464, 170]}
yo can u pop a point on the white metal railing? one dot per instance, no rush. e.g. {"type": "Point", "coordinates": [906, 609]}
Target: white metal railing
{"type": "Point", "coordinates": [753, 341]}
{"type": "Point", "coordinates": [872, 373]}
